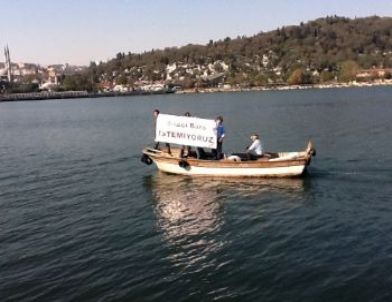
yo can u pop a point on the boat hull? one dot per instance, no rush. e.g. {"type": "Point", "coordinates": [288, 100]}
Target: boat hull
{"type": "Point", "coordinates": [286, 164]}
{"type": "Point", "coordinates": [285, 171]}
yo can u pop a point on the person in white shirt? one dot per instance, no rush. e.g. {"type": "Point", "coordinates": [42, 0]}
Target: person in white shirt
{"type": "Point", "coordinates": [255, 150]}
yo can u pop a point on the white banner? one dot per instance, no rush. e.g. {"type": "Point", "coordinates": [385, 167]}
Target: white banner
{"type": "Point", "coordinates": [188, 131]}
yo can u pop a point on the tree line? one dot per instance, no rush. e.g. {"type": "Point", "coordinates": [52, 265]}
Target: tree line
{"type": "Point", "coordinates": [319, 51]}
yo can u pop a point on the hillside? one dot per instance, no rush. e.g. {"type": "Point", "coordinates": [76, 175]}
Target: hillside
{"type": "Point", "coordinates": [319, 51]}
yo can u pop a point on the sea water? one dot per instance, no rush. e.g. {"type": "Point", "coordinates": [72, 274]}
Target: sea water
{"type": "Point", "coordinates": [82, 219]}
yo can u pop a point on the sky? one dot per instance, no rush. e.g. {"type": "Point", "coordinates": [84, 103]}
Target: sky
{"type": "Point", "coordinates": [80, 31]}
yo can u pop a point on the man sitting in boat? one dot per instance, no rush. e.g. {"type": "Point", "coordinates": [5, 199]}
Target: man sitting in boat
{"type": "Point", "coordinates": [255, 150]}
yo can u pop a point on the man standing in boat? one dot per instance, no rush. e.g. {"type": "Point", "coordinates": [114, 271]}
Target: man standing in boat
{"type": "Point", "coordinates": [156, 113]}
{"type": "Point", "coordinates": [185, 150]}
{"type": "Point", "coordinates": [220, 134]}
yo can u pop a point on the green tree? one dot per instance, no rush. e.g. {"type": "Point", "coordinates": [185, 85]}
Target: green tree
{"type": "Point", "coordinates": [297, 77]}
{"type": "Point", "coordinates": [326, 76]}
{"type": "Point", "coordinates": [347, 71]}
{"type": "Point", "coordinates": [122, 80]}
{"type": "Point", "coordinates": [77, 82]}
{"type": "Point", "coordinates": [322, 44]}
{"type": "Point", "coordinates": [28, 79]}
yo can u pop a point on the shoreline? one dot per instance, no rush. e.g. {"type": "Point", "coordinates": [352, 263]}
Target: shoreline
{"type": "Point", "coordinates": [38, 96]}
{"type": "Point", "coordinates": [287, 87]}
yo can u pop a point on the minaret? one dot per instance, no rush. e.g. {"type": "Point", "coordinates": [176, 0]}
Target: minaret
{"type": "Point", "coordinates": [8, 63]}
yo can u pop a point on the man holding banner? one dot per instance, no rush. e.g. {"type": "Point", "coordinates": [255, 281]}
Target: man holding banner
{"type": "Point", "coordinates": [220, 134]}
{"type": "Point", "coordinates": [156, 114]}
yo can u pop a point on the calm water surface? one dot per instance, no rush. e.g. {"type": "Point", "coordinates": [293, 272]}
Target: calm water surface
{"type": "Point", "coordinates": [82, 219]}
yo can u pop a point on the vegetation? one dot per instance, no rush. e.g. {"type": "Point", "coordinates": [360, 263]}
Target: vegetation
{"type": "Point", "coordinates": [319, 51]}
{"type": "Point", "coordinates": [78, 82]}
{"type": "Point", "coordinates": [348, 71]}
{"type": "Point", "coordinates": [18, 87]}
{"type": "Point", "coordinates": [331, 49]}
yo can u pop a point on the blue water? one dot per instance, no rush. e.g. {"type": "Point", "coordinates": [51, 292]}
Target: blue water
{"type": "Point", "coordinates": [82, 219]}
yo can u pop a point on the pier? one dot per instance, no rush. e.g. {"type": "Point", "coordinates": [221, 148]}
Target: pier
{"type": "Point", "coordinates": [49, 95]}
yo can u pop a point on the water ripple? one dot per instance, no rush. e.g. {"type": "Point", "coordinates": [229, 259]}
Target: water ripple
{"type": "Point", "coordinates": [83, 220]}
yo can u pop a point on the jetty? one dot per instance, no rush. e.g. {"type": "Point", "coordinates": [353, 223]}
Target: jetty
{"type": "Point", "coordinates": [49, 95]}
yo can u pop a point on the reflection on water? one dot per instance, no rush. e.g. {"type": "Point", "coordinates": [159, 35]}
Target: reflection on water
{"type": "Point", "coordinates": [185, 206]}
{"type": "Point", "coordinates": [190, 215]}
{"type": "Point", "coordinates": [194, 206]}
{"type": "Point", "coordinates": [82, 218]}
{"type": "Point", "coordinates": [190, 211]}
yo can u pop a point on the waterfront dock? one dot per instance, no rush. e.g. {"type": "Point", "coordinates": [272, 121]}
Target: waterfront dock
{"type": "Point", "coordinates": [49, 95]}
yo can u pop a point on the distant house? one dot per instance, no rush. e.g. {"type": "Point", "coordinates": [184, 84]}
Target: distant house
{"type": "Point", "coordinates": [120, 88]}
{"type": "Point", "coordinates": [56, 73]}
{"type": "Point", "coordinates": [3, 72]}
{"type": "Point", "coordinates": [28, 69]}
{"type": "Point", "coordinates": [153, 87]}
{"type": "Point", "coordinates": [215, 79]}
{"type": "Point", "coordinates": [105, 86]}
{"type": "Point", "coordinates": [373, 73]}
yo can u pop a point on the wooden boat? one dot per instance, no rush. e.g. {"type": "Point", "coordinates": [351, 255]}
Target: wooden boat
{"type": "Point", "coordinates": [280, 164]}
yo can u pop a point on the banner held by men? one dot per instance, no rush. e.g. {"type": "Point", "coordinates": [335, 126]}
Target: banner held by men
{"type": "Point", "coordinates": [188, 131]}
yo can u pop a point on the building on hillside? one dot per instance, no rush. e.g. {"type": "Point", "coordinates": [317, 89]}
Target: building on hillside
{"type": "Point", "coordinates": [28, 69]}
{"type": "Point", "coordinates": [373, 73]}
{"type": "Point", "coordinates": [3, 73]}
{"type": "Point", "coordinates": [215, 79]}
{"type": "Point", "coordinates": [56, 74]}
